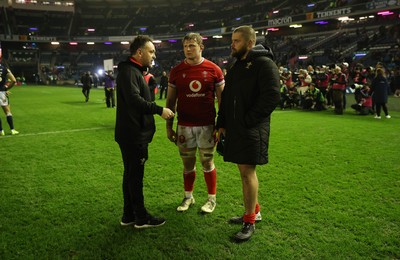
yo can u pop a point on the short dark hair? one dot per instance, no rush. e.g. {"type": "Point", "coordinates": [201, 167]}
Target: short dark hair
{"type": "Point", "coordinates": [247, 31]}
{"type": "Point", "coordinates": [139, 42]}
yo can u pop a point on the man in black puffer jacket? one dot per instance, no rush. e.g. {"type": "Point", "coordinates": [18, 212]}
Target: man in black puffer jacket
{"type": "Point", "coordinates": [250, 96]}
{"type": "Point", "coordinates": [135, 128]}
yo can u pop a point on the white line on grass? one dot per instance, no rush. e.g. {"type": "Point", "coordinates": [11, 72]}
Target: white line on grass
{"type": "Point", "coordinates": [58, 132]}
{"type": "Point", "coordinates": [63, 131]}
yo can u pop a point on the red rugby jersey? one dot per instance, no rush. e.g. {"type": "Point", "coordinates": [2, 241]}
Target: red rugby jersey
{"type": "Point", "coordinates": [195, 88]}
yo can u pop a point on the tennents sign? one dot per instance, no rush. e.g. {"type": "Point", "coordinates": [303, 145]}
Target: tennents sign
{"type": "Point", "coordinates": [336, 12]}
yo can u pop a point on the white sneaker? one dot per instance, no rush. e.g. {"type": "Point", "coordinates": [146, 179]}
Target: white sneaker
{"type": "Point", "coordinates": [186, 203]}
{"type": "Point", "coordinates": [377, 117]}
{"type": "Point", "coordinates": [388, 116]}
{"type": "Point", "coordinates": [209, 206]}
{"type": "Point", "coordinates": [2, 133]}
{"type": "Point", "coordinates": [14, 132]}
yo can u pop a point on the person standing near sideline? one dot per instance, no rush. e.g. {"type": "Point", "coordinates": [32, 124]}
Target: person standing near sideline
{"type": "Point", "coordinates": [135, 128]}
{"type": "Point", "coordinates": [380, 88]}
{"type": "Point", "coordinates": [163, 84]}
{"type": "Point", "coordinates": [193, 86]}
{"type": "Point", "coordinates": [87, 82]}
{"type": "Point", "coordinates": [250, 96]}
{"type": "Point", "coordinates": [109, 87]}
{"type": "Point", "coordinates": [7, 81]}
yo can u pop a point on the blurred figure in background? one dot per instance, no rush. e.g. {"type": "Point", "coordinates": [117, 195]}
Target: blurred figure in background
{"type": "Point", "coordinates": [7, 81]}
{"type": "Point", "coordinates": [380, 89]}
{"type": "Point", "coordinates": [338, 85]}
{"type": "Point", "coordinates": [87, 82]}
{"type": "Point", "coordinates": [109, 87]}
{"type": "Point", "coordinates": [163, 85]}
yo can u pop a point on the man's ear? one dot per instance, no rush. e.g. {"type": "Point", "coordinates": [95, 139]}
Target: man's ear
{"type": "Point", "coordinates": [250, 44]}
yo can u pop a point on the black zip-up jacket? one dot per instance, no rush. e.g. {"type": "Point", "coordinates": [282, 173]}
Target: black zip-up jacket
{"type": "Point", "coordinates": [135, 120]}
{"type": "Point", "coordinates": [250, 95]}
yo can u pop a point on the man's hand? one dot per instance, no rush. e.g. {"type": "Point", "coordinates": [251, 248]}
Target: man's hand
{"type": "Point", "coordinates": [167, 113]}
{"type": "Point", "coordinates": [171, 134]}
{"type": "Point", "coordinates": [221, 131]}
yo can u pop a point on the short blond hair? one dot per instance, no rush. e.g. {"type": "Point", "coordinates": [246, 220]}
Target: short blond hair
{"type": "Point", "coordinates": [193, 36]}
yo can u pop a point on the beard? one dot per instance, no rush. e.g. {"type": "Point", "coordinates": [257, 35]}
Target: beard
{"type": "Point", "coordinates": [239, 53]}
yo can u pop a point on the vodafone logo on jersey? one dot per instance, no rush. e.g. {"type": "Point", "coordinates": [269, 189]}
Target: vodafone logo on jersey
{"type": "Point", "coordinates": [195, 86]}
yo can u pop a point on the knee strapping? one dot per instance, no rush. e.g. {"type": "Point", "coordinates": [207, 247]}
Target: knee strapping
{"type": "Point", "coordinates": [188, 154]}
{"type": "Point", "coordinates": [206, 154]}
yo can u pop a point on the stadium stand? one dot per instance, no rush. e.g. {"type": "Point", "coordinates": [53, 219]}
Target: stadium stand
{"type": "Point", "coordinates": [28, 28]}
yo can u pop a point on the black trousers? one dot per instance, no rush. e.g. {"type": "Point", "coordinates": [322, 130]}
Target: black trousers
{"type": "Point", "coordinates": [163, 90]}
{"type": "Point", "coordinates": [134, 157]}
{"type": "Point", "coordinates": [110, 97]}
{"type": "Point", "coordinates": [86, 92]}
{"type": "Point", "coordinates": [337, 98]}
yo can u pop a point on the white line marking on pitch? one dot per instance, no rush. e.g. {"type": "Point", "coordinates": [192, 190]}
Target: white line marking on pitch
{"type": "Point", "coordinates": [58, 132]}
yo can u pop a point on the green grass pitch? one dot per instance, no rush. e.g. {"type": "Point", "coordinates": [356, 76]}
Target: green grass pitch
{"type": "Point", "coordinates": [330, 191]}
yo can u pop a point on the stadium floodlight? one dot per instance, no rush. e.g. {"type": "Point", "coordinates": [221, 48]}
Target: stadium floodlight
{"type": "Point", "coordinates": [100, 72]}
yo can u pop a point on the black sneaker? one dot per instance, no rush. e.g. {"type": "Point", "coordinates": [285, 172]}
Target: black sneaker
{"type": "Point", "coordinates": [246, 232]}
{"type": "Point", "coordinates": [149, 221]}
{"type": "Point", "coordinates": [239, 219]}
{"type": "Point", "coordinates": [125, 221]}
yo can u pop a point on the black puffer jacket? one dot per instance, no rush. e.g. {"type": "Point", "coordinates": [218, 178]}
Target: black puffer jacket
{"type": "Point", "coordinates": [135, 121]}
{"type": "Point", "coordinates": [250, 95]}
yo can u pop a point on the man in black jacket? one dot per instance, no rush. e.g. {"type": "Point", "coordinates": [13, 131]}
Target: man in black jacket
{"type": "Point", "coordinates": [135, 128]}
{"type": "Point", "coordinates": [87, 82]}
{"type": "Point", "coordinates": [250, 96]}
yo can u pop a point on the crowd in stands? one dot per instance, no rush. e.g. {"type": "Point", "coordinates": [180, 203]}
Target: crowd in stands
{"type": "Point", "coordinates": [327, 86]}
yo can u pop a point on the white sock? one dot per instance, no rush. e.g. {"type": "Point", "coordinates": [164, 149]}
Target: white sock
{"type": "Point", "coordinates": [188, 194]}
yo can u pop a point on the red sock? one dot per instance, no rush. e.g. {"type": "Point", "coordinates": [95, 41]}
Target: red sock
{"type": "Point", "coordinates": [249, 218]}
{"type": "Point", "coordinates": [211, 181]}
{"type": "Point", "coordinates": [188, 180]}
{"type": "Point", "coordinates": [257, 208]}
